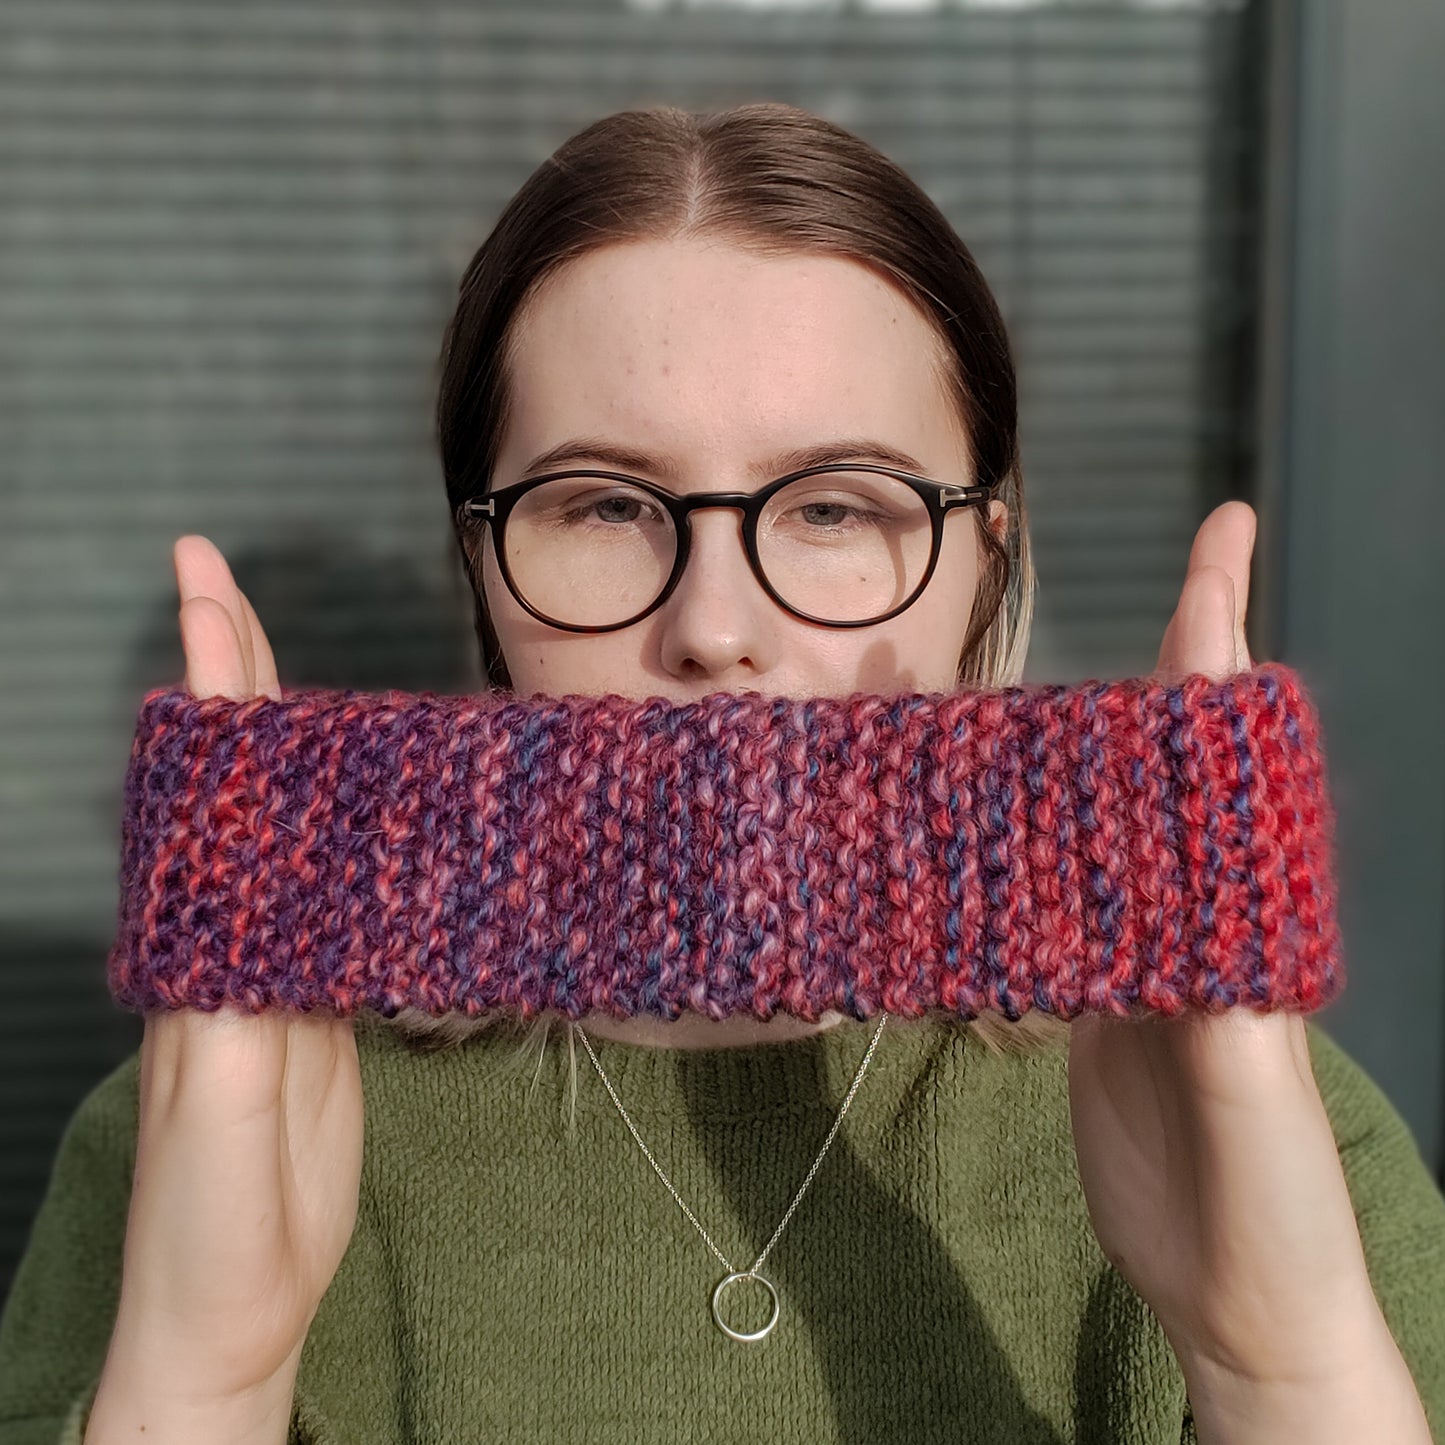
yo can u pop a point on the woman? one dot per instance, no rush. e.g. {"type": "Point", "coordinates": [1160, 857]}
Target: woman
{"type": "Point", "coordinates": [372, 1231]}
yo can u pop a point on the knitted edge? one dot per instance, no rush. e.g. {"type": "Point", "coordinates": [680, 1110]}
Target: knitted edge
{"type": "Point", "coordinates": [1122, 847]}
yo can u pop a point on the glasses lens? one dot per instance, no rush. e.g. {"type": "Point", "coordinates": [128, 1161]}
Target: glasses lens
{"type": "Point", "coordinates": [841, 546]}
{"type": "Point", "coordinates": [845, 546]}
{"type": "Point", "coordinates": [589, 551]}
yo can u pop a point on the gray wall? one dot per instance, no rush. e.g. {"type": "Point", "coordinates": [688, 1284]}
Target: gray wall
{"type": "Point", "coordinates": [1353, 476]}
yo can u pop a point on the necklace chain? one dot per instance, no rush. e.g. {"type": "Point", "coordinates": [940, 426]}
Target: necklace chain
{"type": "Point", "coordinates": [752, 1271]}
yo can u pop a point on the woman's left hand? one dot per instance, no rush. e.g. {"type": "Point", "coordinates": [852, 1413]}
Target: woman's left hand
{"type": "Point", "coordinates": [1206, 1156]}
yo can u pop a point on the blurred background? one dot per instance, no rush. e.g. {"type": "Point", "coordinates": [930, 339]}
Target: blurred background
{"type": "Point", "coordinates": [230, 237]}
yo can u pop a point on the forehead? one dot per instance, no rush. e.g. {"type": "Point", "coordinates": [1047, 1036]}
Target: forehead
{"type": "Point", "coordinates": [702, 345]}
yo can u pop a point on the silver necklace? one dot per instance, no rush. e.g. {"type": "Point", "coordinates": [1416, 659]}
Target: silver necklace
{"type": "Point", "coordinates": [733, 1275]}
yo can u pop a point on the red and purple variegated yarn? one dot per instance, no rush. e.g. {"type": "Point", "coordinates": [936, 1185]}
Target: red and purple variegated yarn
{"type": "Point", "coordinates": [1118, 847]}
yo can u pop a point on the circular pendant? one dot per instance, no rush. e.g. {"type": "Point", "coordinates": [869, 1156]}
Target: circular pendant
{"type": "Point", "coordinates": [717, 1295]}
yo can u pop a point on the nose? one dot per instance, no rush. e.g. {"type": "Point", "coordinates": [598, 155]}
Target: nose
{"type": "Point", "coordinates": [716, 539]}
{"type": "Point", "coordinates": [713, 625]}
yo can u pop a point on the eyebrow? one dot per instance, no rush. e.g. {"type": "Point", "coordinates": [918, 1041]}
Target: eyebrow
{"type": "Point", "coordinates": [797, 459]}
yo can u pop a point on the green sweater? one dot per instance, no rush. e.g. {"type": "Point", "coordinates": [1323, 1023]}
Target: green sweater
{"type": "Point", "coordinates": [939, 1281]}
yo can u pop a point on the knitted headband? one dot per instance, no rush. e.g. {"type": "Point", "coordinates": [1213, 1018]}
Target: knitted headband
{"type": "Point", "coordinates": [1107, 846]}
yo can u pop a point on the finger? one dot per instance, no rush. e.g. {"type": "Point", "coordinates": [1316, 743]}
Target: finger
{"type": "Point", "coordinates": [182, 1048]}
{"type": "Point", "coordinates": [214, 665]}
{"type": "Point", "coordinates": [265, 677]}
{"type": "Point", "coordinates": [201, 571]}
{"type": "Point", "coordinates": [316, 1045]}
{"type": "Point", "coordinates": [1206, 632]}
{"type": "Point", "coordinates": [1226, 539]}
{"type": "Point", "coordinates": [237, 1052]}
{"type": "Point", "coordinates": [1200, 635]}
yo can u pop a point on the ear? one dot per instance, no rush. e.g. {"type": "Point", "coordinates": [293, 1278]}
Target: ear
{"type": "Point", "coordinates": [998, 518]}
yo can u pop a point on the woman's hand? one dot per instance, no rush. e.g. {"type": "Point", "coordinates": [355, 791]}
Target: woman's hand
{"type": "Point", "coordinates": [248, 1158]}
{"type": "Point", "coordinates": [1207, 1159]}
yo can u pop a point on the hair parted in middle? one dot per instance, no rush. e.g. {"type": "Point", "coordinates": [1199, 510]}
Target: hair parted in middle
{"type": "Point", "coordinates": [779, 180]}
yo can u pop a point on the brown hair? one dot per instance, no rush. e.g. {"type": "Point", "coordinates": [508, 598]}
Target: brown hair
{"type": "Point", "coordinates": [779, 180]}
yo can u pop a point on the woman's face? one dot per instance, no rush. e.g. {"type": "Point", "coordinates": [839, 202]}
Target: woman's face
{"type": "Point", "coordinates": [715, 360]}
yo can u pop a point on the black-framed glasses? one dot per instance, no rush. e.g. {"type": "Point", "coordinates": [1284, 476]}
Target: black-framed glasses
{"type": "Point", "coordinates": [848, 544]}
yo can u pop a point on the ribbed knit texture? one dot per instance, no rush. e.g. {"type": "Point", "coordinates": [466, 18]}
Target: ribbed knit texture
{"type": "Point", "coordinates": [939, 1282]}
{"type": "Point", "coordinates": [1105, 846]}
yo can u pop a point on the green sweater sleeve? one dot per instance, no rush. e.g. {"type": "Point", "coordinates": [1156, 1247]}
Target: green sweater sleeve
{"type": "Point", "coordinates": [58, 1316]}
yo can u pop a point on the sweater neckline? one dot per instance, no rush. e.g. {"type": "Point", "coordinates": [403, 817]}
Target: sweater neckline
{"type": "Point", "coordinates": [811, 1075]}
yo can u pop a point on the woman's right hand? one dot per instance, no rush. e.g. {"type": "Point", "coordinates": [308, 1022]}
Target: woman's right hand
{"type": "Point", "coordinates": [248, 1157]}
